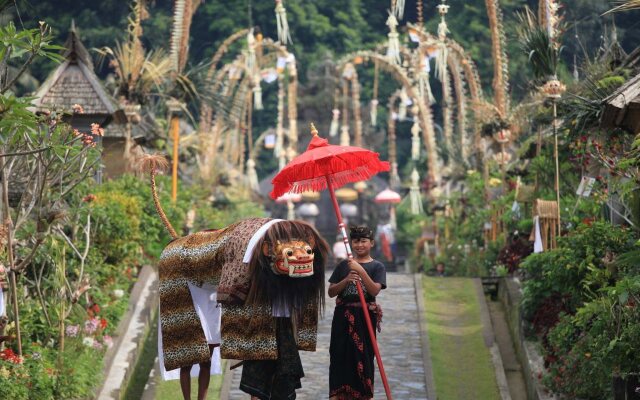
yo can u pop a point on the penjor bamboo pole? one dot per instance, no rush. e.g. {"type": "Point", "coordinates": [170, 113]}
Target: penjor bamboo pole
{"type": "Point", "coordinates": [555, 152]}
{"type": "Point", "coordinates": [175, 135]}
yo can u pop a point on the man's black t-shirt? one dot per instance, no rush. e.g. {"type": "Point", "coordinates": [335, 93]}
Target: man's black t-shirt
{"type": "Point", "coordinates": [376, 271]}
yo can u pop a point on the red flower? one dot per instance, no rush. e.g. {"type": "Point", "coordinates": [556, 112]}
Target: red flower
{"type": "Point", "coordinates": [103, 323]}
{"type": "Point", "coordinates": [9, 355]}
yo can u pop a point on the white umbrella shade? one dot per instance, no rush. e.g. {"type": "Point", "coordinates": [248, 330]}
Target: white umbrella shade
{"type": "Point", "coordinates": [387, 196]}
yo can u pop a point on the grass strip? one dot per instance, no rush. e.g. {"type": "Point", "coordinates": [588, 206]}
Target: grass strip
{"type": "Point", "coordinates": [462, 367]}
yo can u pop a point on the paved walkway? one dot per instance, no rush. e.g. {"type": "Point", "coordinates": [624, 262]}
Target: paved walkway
{"type": "Point", "coordinates": [399, 342]}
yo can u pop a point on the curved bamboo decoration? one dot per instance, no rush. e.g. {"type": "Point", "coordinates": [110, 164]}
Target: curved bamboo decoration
{"type": "Point", "coordinates": [210, 135]}
{"type": "Point", "coordinates": [447, 112]}
{"type": "Point", "coordinates": [426, 119]}
{"type": "Point", "coordinates": [500, 62]}
{"type": "Point", "coordinates": [461, 104]}
{"type": "Point", "coordinates": [471, 76]}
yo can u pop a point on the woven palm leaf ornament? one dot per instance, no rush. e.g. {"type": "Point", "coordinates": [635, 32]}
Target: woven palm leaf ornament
{"type": "Point", "coordinates": [424, 75]}
{"type": "Point", "coordinates": [443, 30]}
{"type": "Point", "coordinates": [284, 36]}
{"type": "Point", "coordinates": [393, 46]}
{"type": "Point", "coordinates": [397, 8]}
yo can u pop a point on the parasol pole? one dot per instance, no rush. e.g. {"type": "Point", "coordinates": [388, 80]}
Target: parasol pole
{"type": "Point", "coordinates": [365, 309]}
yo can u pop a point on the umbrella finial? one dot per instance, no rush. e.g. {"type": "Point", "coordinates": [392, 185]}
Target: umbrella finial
{"type": "Point", "coordinates": [314, 131]}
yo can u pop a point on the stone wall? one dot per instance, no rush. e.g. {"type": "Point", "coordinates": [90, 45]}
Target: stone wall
{"type": "Point", "coordinates": [510, 295]}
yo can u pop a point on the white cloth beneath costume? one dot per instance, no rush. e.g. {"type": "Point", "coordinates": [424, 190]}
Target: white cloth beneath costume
{"type": "Point", "coordinates": [209, 312]}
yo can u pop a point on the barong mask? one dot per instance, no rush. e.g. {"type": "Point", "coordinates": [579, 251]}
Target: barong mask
{"type": "Point", "coordinates": [293, 258]}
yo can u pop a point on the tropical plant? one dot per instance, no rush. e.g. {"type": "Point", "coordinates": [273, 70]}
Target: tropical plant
{"type": "Point", "coordinates": [543, 53]}
{"type": "Point", "coordinates": [19, 48]}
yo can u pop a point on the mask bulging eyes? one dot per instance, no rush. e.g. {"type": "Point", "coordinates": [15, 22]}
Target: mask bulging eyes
{"type": "Point", "coordinates": [309, 250]}
{"type": "Point", "coordinates": [288, 252]}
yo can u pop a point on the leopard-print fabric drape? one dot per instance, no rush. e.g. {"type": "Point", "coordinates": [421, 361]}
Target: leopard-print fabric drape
{"type": "Point", "coordinates": [213, 257]}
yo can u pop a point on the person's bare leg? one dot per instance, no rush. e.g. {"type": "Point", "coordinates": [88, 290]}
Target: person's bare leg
{"type": "Point", "coordinates": [185, 382]}
{"type": "Point", "coordinates": [204, 378]}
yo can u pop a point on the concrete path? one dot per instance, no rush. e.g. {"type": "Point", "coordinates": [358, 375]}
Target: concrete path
{"type": "Point", "coordinates": [399, 342]}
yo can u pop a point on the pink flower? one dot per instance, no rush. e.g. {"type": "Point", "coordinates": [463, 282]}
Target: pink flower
{"type": "Point", "coordinates": [96, 130]}
{"type": "Point", "coordinates": [91, 325]}
{"type": "Point", "coordinates": [77, 109]}
{"type": "Point", "coordinates": [108, 341]}
{"type": "Point", "coordinates": [72, 330]}
{"type": "Point", "coordinates": [97, 345]}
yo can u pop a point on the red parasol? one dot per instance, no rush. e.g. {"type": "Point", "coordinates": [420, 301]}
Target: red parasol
{"type": "Point", "coordinates": [310, 170]}
{"type": "Point", "coordinates": [327, 166]}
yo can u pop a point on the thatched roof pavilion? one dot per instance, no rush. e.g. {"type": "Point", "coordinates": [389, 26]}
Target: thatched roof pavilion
{"type": "Point", "coordinates": [622, 107]}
